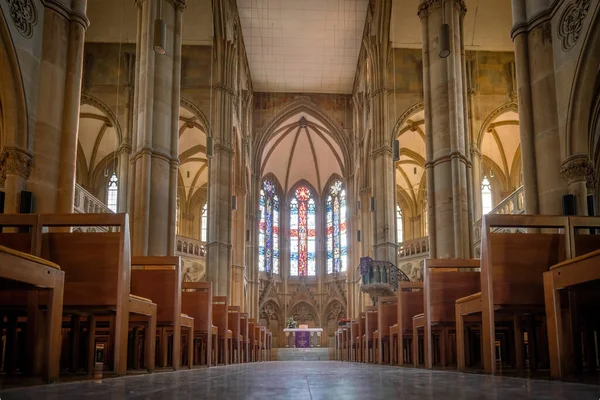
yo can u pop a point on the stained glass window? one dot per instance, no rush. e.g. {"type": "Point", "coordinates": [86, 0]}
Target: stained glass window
{"type": "Point", "coordinates": [486, 196]}
{"type": "Point", "coordinates": [204, 223]}
{"type": "Point", "coordinates": [302, 233]}
{"type": "Point", "coordinates": [336, 229]}
{"type": "Point", "coordinates": [268, 229]}
{"type": "Point", "coordinates": [399, 233]}
{"type": "Point", "coordinates": [113, 193]}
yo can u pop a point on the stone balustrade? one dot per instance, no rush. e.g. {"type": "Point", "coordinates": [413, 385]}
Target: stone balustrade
{"type": "Point", "coordinates": [188, 247]}
{"type": "Point", "coordinates": [86, 203]}
{"type": "Point", "coordinates": [414, 247]}
{"type": "Point", "coordinates": [514, 203]}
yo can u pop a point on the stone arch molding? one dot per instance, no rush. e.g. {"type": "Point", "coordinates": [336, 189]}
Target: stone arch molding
{"type": "Point", "coordinates": [198, 113]}
{"type": "Point", "coordinates": [91, 100]}
{"type": "Point", "coordinates": [490, 118]}
{"type": "Point", "coordinates": [14, 129]}
{"type": "Point", "coordinates": [578, 130]}
{"type": "Point", "coordinates": [303, 104]}
{"type": "Point", "coordinates": [304, 312]}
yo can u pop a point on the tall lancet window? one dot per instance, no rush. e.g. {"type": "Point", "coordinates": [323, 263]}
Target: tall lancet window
{"type": "Point", "coordinates": [302, 233]}
{"type": "Point", "coordinates": [268, 229]}
{"type": "Point", "coordinates": [113, 193]}
{"type": "Point", "coordinates": [486, 196]}
{"type": "Point", "coordinates": [399, 233]}
{"type": "Point", "coordinates": [336, 229]}
{"type": "Point", "coordinates": [204, 222]}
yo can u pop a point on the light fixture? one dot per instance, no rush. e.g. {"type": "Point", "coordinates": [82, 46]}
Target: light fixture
{"type": "Point", "coordinates": [444, 40]}
{"type": "Point", "coordinates": [396, 150]}
{"type": "Point", "coordinates": [372, 203]}
{"type": "Point", "coordinates": [234, 202]}
{"type": "Point", "coordinates": [160, 32]}
{"type": "Point", "coordinates": [358, 235]}
{"type": "Point", "coordinates": [491, 172]}
{"type": "Point", "coordinates": [188, 174]}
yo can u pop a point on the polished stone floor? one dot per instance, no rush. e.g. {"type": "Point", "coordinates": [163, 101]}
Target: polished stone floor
{"type": "Point", "coordinates": [310, 380]}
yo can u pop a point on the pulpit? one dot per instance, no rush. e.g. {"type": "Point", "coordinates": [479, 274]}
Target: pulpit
{"type": "Point", "coordinates": [303, 337]}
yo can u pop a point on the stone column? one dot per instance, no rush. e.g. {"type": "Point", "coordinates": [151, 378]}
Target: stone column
{"type": "Point", "coordinates": [447, 153]}
{"type": "Point", "coordinates": [15, 165]}
{"type": "Point", "coordinates": [125, 149]}
{"type": "Point", "coordinates": [220, 168]}
{"type": "Point", "coordinates": [536, 86]}
{"type": "Point", "coordinates": [578, 171]}
{"type": "Point", "coordinates": [476, 157]}
{"type": "Point", "coordinates": [58, 103]}
{"type": "Point", "coordinates": [252, 247]}
{"type": "Point", "coordinates": [155, 150]}
{"type": "Point", "coordinates": [239, 247]}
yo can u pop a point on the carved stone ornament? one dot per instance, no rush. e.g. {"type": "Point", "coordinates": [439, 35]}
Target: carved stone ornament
{"type": "Point", "coordinates": [14, 162]}
{"type": "Point", "coordinates": [24, 15]}
{"type": "Point", "coordinates": [571, 23]}
{"type": "Point", "coordinates": [578, 168]}
{"type": "Point", "coordinates": [427, 6]}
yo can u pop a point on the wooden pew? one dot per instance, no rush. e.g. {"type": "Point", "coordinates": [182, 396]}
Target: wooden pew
{"type": "Point", "coordinates": [512, 267]}
{"type": "Point", "coordinates": [572, 295]}
{"type": "Point", "coordinates": [220, 318]}
{"type": "Point", "coordinates": [234, 325]}
{"type": "Point", "coordinates": [269, 345]}
{"type": "Point", "coordinates": [410, 303]}
{"type": "Point", "coordinates": [245, 333]}
{"type": "Point", "coordinates": [97, 268]}
{"type": "Point", "coordinates": [159, 278]}
{"type": "Point", "coordinates": [444, 281]}
{"type": "Point", "coordinates": [387, 316]}
{"type": "Point", "coordinates": [368, 339]}
{"type": "Point", "coordinates": [23, 271]}
{"type": "Point", "coordinates": [354, 339]}
{"type": "Point", "coordinates": [196, 301]}
{"type": "Point", "coordinates": [262, 335]}
{"type": "Point", "coordinates": [358, 339]}
{"type": "Point", "coordinates": [253, 331]}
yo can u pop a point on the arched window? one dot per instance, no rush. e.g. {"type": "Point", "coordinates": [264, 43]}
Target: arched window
{"type": "Point", "coordinates": [302, 233]}
{"type": "Point", "coordinates": [268, 229]}
{"type": "Point", "coordinates": [113, 193]}
{"type": "Point", "coordinates": [336, 229]}
{"type": "Point", "coordinates": [486, 196]}
{"type": "Point", "coordinates": [204, 223]}
{"type": "Point", "coordinates": [426, 218]}
{"type": "Point", "coordinates": [399, 234]}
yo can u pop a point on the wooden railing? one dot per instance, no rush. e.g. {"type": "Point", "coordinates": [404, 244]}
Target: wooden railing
{"type": "Point", "coordinates": [514, 203]}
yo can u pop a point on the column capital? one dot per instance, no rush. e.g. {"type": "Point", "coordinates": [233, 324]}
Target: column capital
{"type": "Point", "coordinates": [475, 150]}
{"type": "Point", "coordinates": [14, 161]}
{"type": "Point", "coordinates": [426, 7]}
{"type": "Point", "coordinates": [579, 168]}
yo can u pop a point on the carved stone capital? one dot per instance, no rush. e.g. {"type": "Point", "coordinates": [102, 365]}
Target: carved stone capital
{"type": "Point", "coordinates": [426, 7]}
{"type": "Point", "coordinates": [578, 168]}
{"type": "Point", "coordinates": [475, 150]}
{"type": "Point", "coordinates": [14, 162]}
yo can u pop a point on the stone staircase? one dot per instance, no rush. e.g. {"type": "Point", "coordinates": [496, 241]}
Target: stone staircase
{"type": "Point", "coordinates": [314, 354]}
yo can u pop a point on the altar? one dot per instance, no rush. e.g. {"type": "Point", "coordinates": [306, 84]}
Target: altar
{"type": "Point", "coordinates": [303, 338]}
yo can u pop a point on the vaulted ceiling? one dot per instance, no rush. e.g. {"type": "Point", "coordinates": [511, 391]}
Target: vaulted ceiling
{"type": "Point", "coordinates": [500, 146]}
{"type": "Point", "coordinates": [410, 169]}
{"type": "Point", "coordinates": [193, 164]}
{"type": "Point", "coordinates": [302, 148]}
{"type": "Point", "coordinates": [303, 46]}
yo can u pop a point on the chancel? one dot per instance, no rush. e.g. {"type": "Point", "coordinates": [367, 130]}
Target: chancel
{"type": "Point", "coordinates": [299, 199]}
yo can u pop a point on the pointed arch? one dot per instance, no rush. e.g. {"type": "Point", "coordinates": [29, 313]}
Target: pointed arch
{"type": "Point", "coordinates": [336, 219]}
{"type": "Point", "coordinates": [269, 226]}
{"type": "Point", "coordinates": [302, 203]}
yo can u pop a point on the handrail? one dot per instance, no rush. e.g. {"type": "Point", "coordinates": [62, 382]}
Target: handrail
{"type": "Point", "coordinates": [86, 203]}
{"type": "Point", "coordinates": [413, 247]}
{"type": "Point", "coordinates": [185, 246]}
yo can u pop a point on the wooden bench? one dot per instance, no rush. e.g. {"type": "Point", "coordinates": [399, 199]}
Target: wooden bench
{"type": "Point", "coordinates": [354, 345]}
{"type": "Point", "coordinates": [410, 303]}
{"type": "Point", "coordinates": [196, 301]}
{"type": "Point", "coordinates": [387, 316]}
{"type": "Point", "coordinates": [21, 271]}
{"type": "Point", "coordinates": [234, 325]}
{"type": "Point", "coordinates": [160, 279]}
{"type": "Point", "coordinates": [444, 281]}
{"type": "Point", "coordinates": [572, 295]}
{"type": "Point", "coordinates": [245, 333]}
{"type": "Point", "coordinates": [220, 318]}
{"type": "Point", "coordinates": [512, 267]}
{"type": "Point", "coordinates": [97, 268]}
{"type": "Point", "coordinates": [253, 341]}
{"type": "Point", "coordinates": [368, 337]}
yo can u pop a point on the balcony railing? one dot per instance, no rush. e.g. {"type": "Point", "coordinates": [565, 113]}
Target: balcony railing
{"type": "Point", "coordinates": [188, 247]}
{"type": "Point", "coordinates": [87, 203]}
{"type": "Point", "coordinates": [413, 247]}
{"type": "Point", "coordinates": [514, 204]}
{"type": "Point", "coordinates": [379, 278]}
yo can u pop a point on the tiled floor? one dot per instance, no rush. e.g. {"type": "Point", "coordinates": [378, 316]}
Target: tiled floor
{"type": "Point", "coordinates": [310, 380]}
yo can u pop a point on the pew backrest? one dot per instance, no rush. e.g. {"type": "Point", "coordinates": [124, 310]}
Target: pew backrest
{"type": "Point", "coordinates": [158, 278]}
{"type": "Point", "coordinates": [445, 281]}
{"type": "Point", "coordinates": [512, 264]}
{"type": "Point", "coordinates": [387, 313]}
{"type": "Point", "coordinates": [196, 301]}
{"type": "Point", "coordinates": [220, 315]}
{"type": "Point", "coordinates": [233, 321]}
{"type": "Point", "coordinates": [410, 303]}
